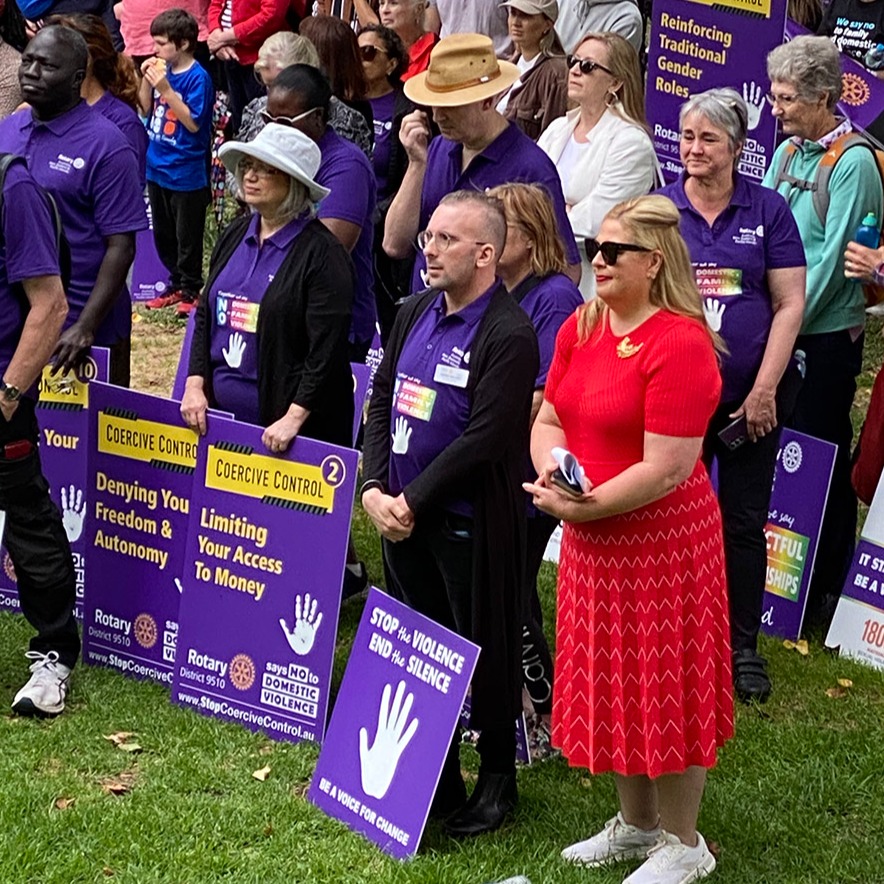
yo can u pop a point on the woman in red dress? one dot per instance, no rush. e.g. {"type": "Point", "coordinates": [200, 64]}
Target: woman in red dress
{"type": "Point", "coordinates": [643, 682]}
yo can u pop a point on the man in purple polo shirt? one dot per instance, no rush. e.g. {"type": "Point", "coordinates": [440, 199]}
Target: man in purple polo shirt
{"type": "Point", "coordinates": [87, 165]}
{"type": "Point", "coordinates": [300, 97]}
{"type": "Point", "coordinates": [445, 447]}
{"type": "Point", "coordinates": [32, 310]}
{"type": "Point", "coordinates": [478, 149]}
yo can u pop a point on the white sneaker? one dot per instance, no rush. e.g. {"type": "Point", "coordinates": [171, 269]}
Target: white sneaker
{"type": "Point", "coordinates": [45, 691]}
{"type": "Point", "coordinates": [617, 841]}
{"type": "Point", "coordinates": [673, 862]}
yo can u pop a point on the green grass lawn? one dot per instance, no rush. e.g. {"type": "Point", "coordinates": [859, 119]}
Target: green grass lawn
{"type": "Point", "coordinates": [798, 795]}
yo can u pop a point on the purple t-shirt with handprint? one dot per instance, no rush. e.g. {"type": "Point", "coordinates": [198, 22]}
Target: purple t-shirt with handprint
{"type": "Point", "coordinates": [233, 306]}
{"type": "Point", "coordinates": [431, 406]}
{"type": "Point", "coordinates": [754, 234]}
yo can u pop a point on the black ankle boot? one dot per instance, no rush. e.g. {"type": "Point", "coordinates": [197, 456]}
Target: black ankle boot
{"type": "Point", "coordinates": [493, 798]}
{"type": "Point", "coordinates": [451, 794]}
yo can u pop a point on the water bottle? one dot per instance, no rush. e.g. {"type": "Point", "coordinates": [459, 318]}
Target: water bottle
{"type": "Point", "coordinates": [874, 60]}
{"type": "Point", "coordinates": [869, 233]}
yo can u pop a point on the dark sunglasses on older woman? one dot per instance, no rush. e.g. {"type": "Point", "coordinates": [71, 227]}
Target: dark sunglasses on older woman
{"type": "Point", "coordinates": [370, 53]}
{"type": "Point", "coordinates": [611, 251]}
{"type": "Point", "coordinates": [586, 66]}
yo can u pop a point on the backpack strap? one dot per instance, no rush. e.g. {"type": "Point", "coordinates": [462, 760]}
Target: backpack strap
{"type": "Point", "coordinates": [826, 166]}
{"type": "Point", "coordinates": [6, 160]}
{"type": "Point", "coordinates": [781, 171]}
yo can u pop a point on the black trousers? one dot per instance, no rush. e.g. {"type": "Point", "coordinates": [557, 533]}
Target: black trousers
{"type": "Point", "coordinates": [537, 664]}
{"type": "Point", "coordinates": [241, 86]}
{"type": "Point", "coordinates": [432, 573]}
{"type": "Point", "coordinates": [179, 222]}
{"type": "Point", "coordinates": [37, 544]}
{"type": "Point", "coordinates": [745, 477]}
{"type": "Point", "coordinates": [823, 410]}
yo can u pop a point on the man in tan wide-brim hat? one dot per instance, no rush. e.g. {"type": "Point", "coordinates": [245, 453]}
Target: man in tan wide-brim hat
{"type": "Point", "coordinates": [478, 149]}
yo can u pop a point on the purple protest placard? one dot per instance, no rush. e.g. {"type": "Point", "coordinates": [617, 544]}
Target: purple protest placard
{"type": "Point", "coordinates": [797, 505]}
{"type": "Point", "coordinates": [362, 375]}
{"type": "Point", "coordinates": [262, 588]}
{"type": "Point", "coordinates": [140, 480]}
{"type": "Point", "coordinates": [149, 275]}
{"type": "Point", "coordinates": [858, 625]}
{"type": "Point", "coordinates": [63, 417]}
{"type": "Point", "coordinates": [697, 45]}
{"type": "Point", "coordinates": [862, 97]}
{"type": "Point", "coordinates": [392, 724]}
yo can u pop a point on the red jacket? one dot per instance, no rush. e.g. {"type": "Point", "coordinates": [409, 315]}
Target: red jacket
{"type": "Point", "coordinates": [253, 22]}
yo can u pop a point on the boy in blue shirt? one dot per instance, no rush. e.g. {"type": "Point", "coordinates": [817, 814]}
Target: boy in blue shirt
{"type": "Point", "coordinates": [176, 94]}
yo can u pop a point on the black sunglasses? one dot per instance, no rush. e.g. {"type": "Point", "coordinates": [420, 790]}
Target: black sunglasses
{"type": "Point", "coordinates": [370, 53]}
{"type": "Point", "coordinates": [586, 66]}
{"type": "Point", "coordinates": [611, 251]}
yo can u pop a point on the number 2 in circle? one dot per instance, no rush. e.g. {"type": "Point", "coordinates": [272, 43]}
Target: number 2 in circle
{"type": "Point", "coordinates": [333, 470]}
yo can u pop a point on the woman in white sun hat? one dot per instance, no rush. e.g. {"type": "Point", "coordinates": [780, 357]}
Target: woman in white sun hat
{"type": "Point", "coordinates": [270, 343]}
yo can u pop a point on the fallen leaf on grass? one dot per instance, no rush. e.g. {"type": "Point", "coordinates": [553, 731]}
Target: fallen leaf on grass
{"type": "Point", "coordinates": [714, 849]}
{"type": "Point", "coordinates": [132, 748]}
{"type": "Point", "coordinates": [299, 790]}
{"type": "Point", "coordinates": [836, 693]}
{"type": "Point", "coordinates": [119, 785]}
{"type": "Point", "coordinates": [845, 682]}
{"type": "Point", "coordinates": [64, 803]}
{"type": "Point", "coordinates": [108, 872]}
{"type": "Point", "coordinates": [265, 750]}
{"type": "Point", "coordinates": [119, 737]}
{"type": "Point", "coordinates": [268, 830]}
{"type": "Point", "coordinates": [800, 646]}
{"type": "Point", "coordinates": [261, 774]}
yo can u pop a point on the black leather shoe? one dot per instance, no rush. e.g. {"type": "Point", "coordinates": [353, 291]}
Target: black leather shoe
{"type": "Point", "coordinates": [751, 682]}
{"type": "Point", "coordinates": [493, 798]}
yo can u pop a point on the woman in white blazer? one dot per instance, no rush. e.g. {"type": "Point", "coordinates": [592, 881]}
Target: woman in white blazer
{"type": "Point", "coordinates": [602, 148]}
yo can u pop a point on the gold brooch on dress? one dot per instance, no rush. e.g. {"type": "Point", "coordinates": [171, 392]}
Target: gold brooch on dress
{"type": "Point", "coordinates": [625, 349]}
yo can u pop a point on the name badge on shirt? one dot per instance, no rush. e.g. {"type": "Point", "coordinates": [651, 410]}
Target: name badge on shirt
{"type": "Point", "coordinates": [454, 377]}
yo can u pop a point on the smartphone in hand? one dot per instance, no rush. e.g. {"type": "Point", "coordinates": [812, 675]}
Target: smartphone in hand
{"type": "Point", "coordinates": [735, 434]}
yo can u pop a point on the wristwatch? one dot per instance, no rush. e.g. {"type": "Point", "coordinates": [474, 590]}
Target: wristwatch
{"type": "Point", "coordinates": [10, 393]}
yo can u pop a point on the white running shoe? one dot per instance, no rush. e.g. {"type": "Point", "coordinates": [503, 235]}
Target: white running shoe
{"type": "Point", "coordinates": [673, 862]}
{"type": "Point", "coordinates": [45, 691]}
{"type": "Point", "coordinates": [617, 841]}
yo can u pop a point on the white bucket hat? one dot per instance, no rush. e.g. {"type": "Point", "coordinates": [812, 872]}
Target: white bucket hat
{"type": "Point", "coordinates": [283, 148]}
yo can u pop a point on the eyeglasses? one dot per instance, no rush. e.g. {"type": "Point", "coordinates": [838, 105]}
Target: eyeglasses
{"type": "Point", "coordinates": [260, 169]}
{"type": "Point", "coordinates": [443, 240]}
{"type": "Point", "coordinates": [611, 251]}
{"type": "Point", "coordinates": [586, 66]}
{"type": "Point", "coordinates": [781, 100]}
{"type": "Point", "coordinates": [287, 121]}
{"type": "Point", "coordinates": [370, 53]}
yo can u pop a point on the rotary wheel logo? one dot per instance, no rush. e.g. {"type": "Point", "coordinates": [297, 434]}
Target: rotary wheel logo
{"type": "Point", "coordinates": [145, 630]}
{"type": "Point", "coordinates": [9, 568]}
{"type": "Point", "coordinates": [242, 672]}
{"type": "Point", "coordinates": [855, 91]}
{"type": "Point", "coordinates": [792, 457]}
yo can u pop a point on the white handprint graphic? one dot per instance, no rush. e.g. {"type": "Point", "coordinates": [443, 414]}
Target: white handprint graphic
{"type": "Point", "coordinates": [754, 102]}
{"type": "Point", "coordinates": [233, 356]}
{"type": "Point", "coordinates": [714, 311]}
{"type": "Point", "coordinates": [377, 765]}
{"type": "Point", "coordinates": [307, 621]}
{"type": "Point", "coordinates": [73, 511]}
{"type": "Point", "coordinates": [401, 436]}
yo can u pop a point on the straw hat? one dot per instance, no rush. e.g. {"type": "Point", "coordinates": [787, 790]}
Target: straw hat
{"type": "Point", "coordinates": [463, 69]}
{"type": "Point", "coordinates": [283, 148]}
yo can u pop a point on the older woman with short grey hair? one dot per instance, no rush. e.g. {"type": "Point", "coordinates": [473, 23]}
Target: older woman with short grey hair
{"type": "Point", "coordinates": [811, 66]}
{"type": "Point", "coordinates": [749, 266]}
{"type": "Point", "coordinates": [805, 87]}
{"type": "Point", "coordinates": [270, 341]}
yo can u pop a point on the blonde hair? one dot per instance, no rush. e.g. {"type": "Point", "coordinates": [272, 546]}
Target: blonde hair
{"type": "Point", "coordinates": [285, 49]}
{"type": "Point", "coordinates": [652, 222]}
{"type": "Point", "coordinates": [529, 207]}
{"type": "Point", "coordinates": [624, 66]}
